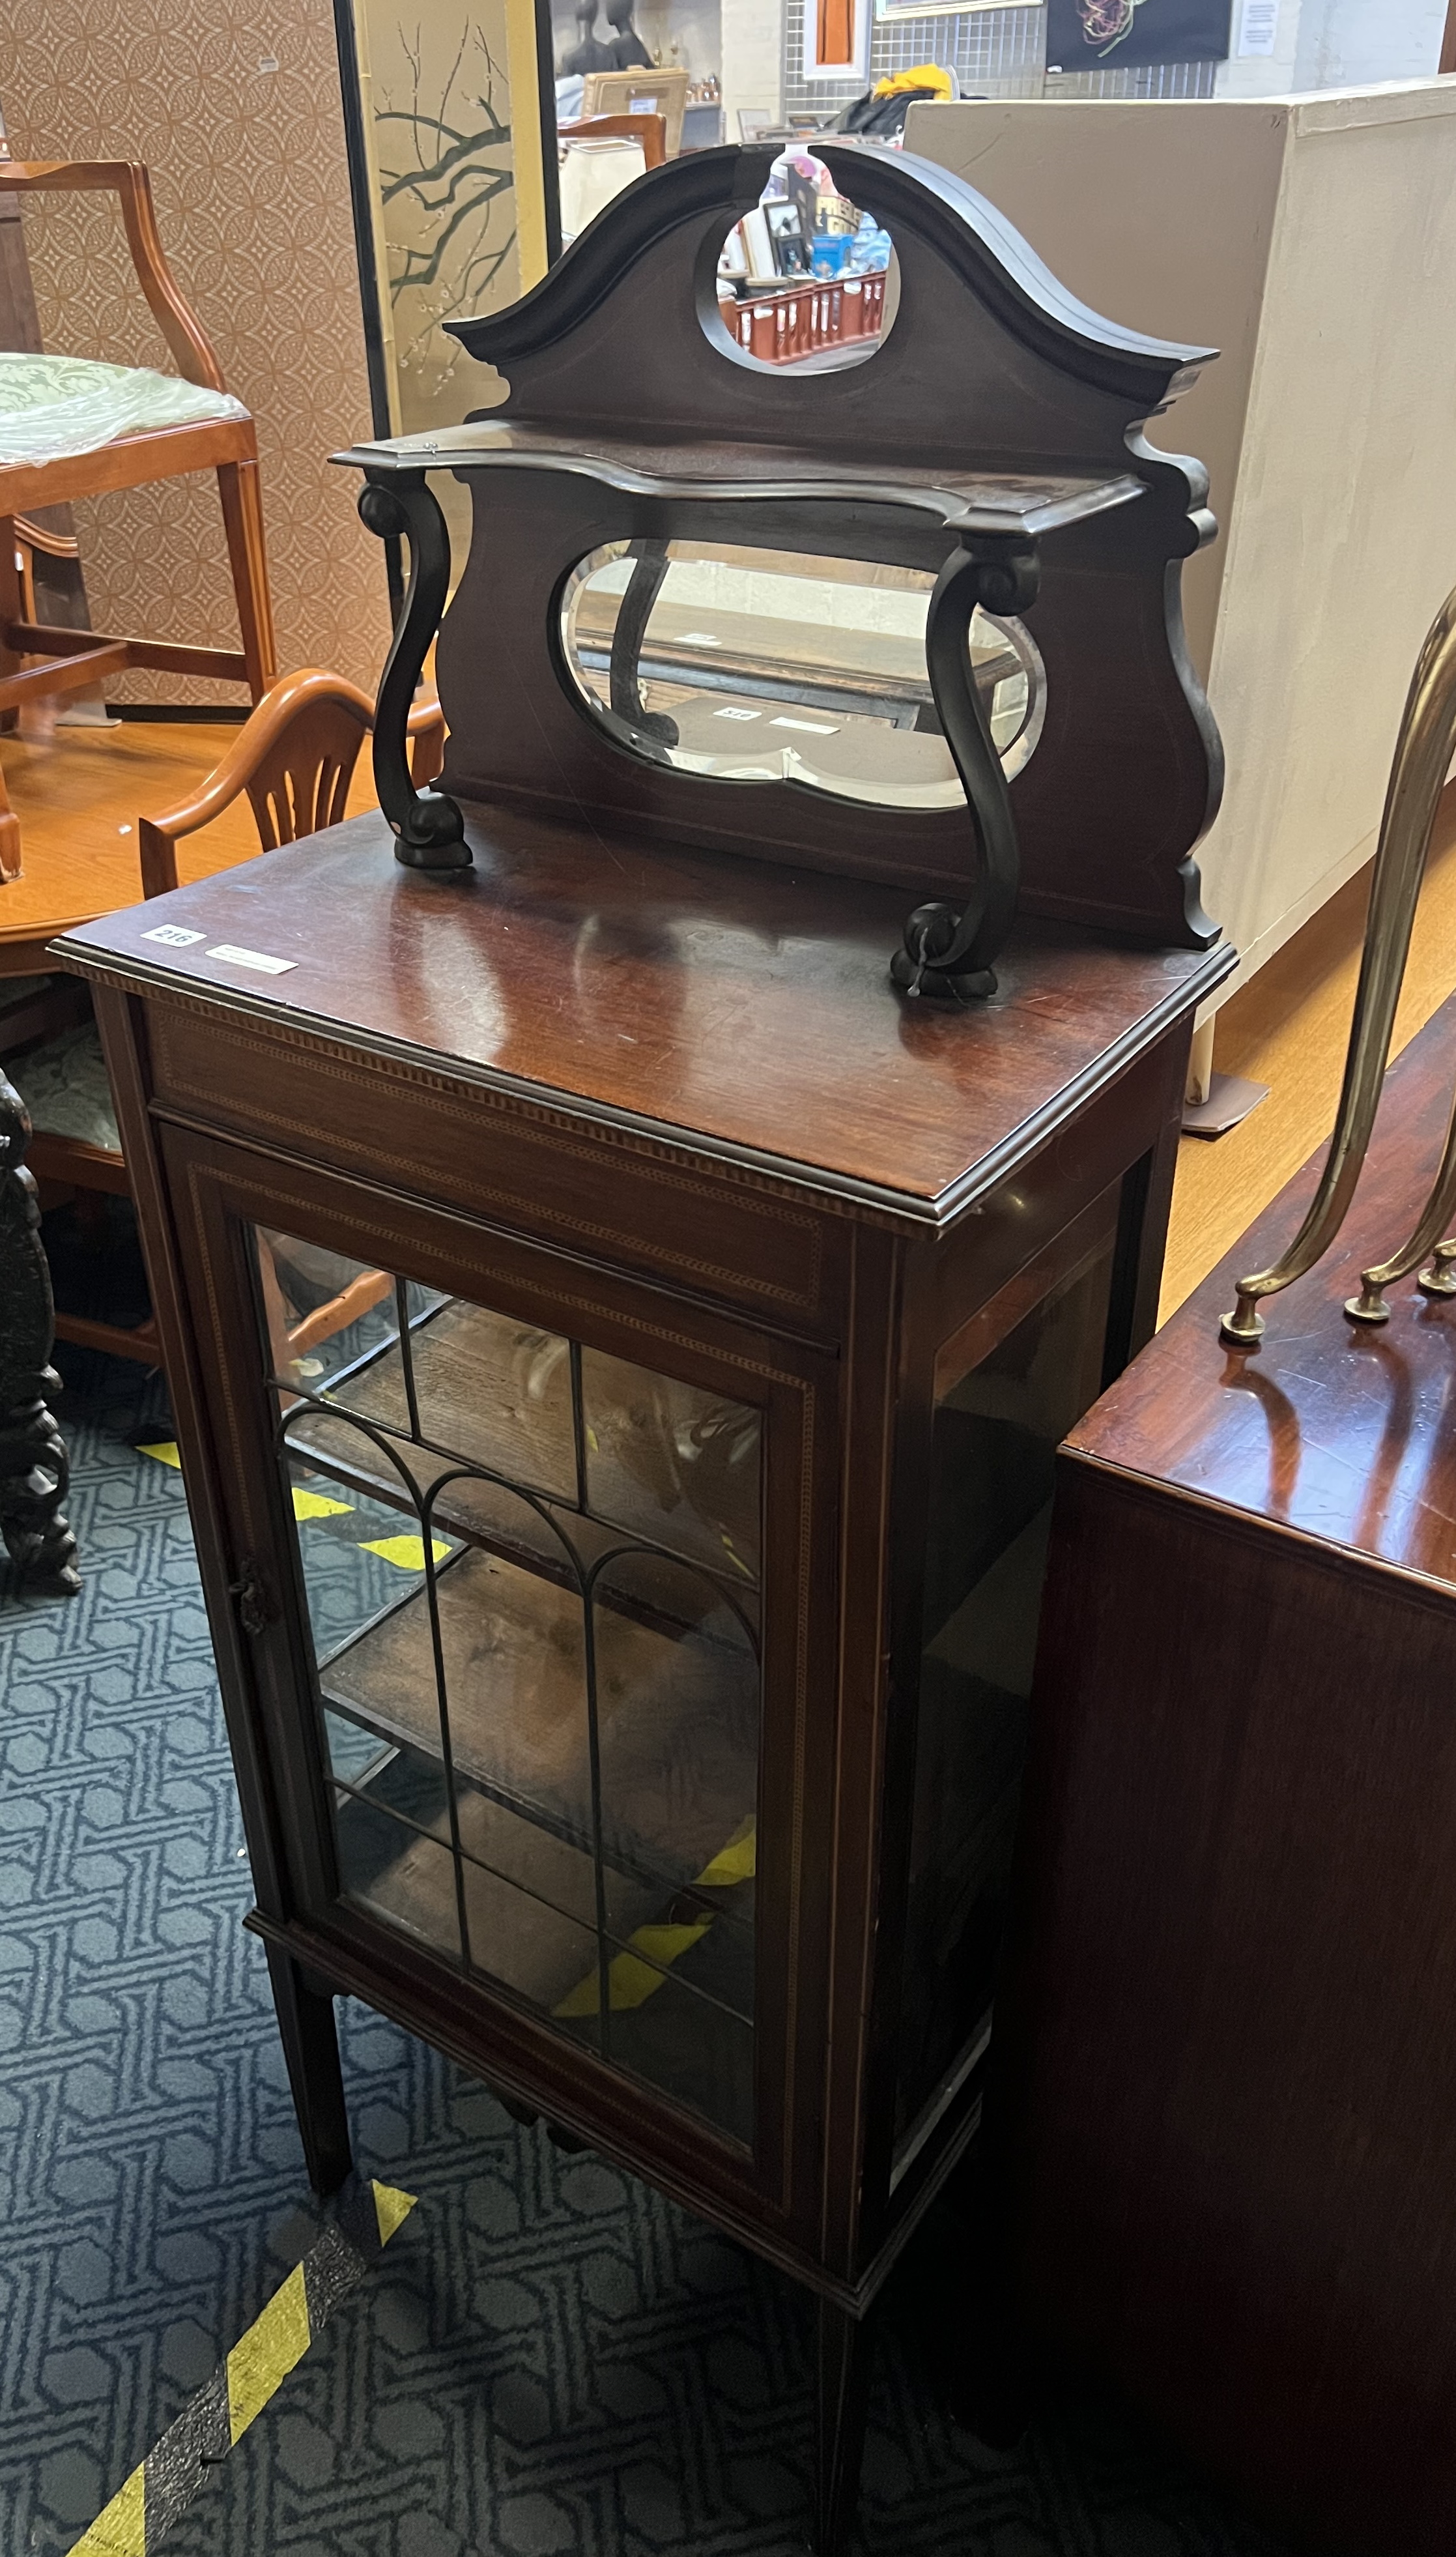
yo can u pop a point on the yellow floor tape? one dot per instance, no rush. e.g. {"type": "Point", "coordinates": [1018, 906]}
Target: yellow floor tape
{"type": "Point", "coordinates": [160, 2491]}
{"type": "Point", "coordinates": [406, 1552]}
{"type": "Point", "coordinates": [636, 1975]}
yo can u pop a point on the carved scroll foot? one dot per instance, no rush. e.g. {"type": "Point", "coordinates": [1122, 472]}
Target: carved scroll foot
{"type": "Point", "coordinates": [428, 829]}
{"type": "Point", "coordinates": [948, 950]}
{"type": "Point", "coordinates": [931, 931]}
{"type": "Point", "coordinates": [34, 1471]}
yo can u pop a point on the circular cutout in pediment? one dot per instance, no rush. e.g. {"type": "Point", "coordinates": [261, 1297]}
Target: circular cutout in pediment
{"type": "Point", "coordinates": [807, 283]}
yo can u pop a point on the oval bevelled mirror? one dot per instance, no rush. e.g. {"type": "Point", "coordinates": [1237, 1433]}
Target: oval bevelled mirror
{"type": "Point", "coordinates": [759, 665]}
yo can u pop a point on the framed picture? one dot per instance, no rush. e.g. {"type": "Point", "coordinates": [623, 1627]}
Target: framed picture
{"type": "Point", "coordinates": [792, 254]}
{"type": "Point", "coordinates": [837, 40]}
{"type": "Point", "coordinates": [1123, 35]}
{"type": "Point", "coordinates": [945, 8]}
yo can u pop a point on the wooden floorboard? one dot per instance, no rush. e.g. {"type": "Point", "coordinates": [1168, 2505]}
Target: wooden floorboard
{"type": "Point", "coordinates": [1288, 1028]}
{"type": "Point", "coordinates": [79, 793]}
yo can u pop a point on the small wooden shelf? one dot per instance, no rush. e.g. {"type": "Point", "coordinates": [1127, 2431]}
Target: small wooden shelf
{"type": "Point", "coordinates": [993, 502]}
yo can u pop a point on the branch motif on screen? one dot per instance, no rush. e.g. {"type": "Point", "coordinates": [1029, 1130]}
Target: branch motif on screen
{"type": "Point", "coordinates": [449, 209]}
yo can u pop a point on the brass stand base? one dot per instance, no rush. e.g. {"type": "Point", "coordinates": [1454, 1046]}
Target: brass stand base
{"type": "Point", "coordinates": [1244, 1328]}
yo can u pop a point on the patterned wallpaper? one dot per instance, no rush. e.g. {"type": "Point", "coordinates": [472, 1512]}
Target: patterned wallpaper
{"type": "Point", "coordinates": [238, 114]}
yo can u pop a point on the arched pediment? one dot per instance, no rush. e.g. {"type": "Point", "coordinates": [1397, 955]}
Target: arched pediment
{"type": "Point", "coordinates": [624, 332]}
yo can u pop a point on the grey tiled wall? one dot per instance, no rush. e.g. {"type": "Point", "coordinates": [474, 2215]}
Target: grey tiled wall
{"type": "Point", "coordinates": [996, 53]}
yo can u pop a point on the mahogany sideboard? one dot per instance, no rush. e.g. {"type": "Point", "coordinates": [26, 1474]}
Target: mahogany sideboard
{"type": "Point", "coordinates": [1227, 2071]}
{"type": "Point", "coordinates": [625, 1616]}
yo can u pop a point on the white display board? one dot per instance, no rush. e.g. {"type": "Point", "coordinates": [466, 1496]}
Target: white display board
{"type": "Point", "coordinates": [1312, 239]}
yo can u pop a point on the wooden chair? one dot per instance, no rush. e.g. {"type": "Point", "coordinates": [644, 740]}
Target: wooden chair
{"type": "Point", "coordinates": [636, 92]}
{"type": "Point", "coordinates": [649, 130]}
{"type": "Point", "coordinates": [30, 538]}
{"type": "Point", "coordinates": [294, 759]}
{"type": "Point", "coordinates": [39, 658]}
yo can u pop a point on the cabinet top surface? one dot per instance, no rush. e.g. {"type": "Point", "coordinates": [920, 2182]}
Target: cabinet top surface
{"type": "Point", "coordinates": [722, 1005]}
{"type": "Point", "coordinates": [1343, 1432]}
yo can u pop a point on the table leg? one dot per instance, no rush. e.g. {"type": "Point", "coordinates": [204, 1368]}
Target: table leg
{"type": "Point", "coordinates": [10, 664]}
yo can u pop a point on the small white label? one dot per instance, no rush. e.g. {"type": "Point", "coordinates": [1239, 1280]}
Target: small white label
{"type": "Point", "coordinates": [269, 62]}
{"type": "Point", "coordinates": [811, 728]}
{"type": "Point", "coordinates": [258, 959]}
{"type": "Point", "coordinates": [732, 714]}
{"type": "Point", "coordinates": [698, 640]}
{"type": "Point", "coordinates": [643, 106]}
{"type": "Point", "coordinates": [1257, 26]}
{"type": "Point", "coordinates": [175, 936]}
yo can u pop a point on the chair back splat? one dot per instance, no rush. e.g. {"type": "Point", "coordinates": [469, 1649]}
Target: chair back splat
{"type": "Point", "coordinates": [295, 758]}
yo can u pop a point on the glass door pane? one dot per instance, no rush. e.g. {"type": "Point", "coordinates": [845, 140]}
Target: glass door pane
{"type": "Point", "coordinates": [531, 1575]}
{"type": "Point", "coordinates": [1026, 1369]}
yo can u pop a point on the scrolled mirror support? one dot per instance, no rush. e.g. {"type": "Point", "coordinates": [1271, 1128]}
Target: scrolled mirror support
{"type": "Point", "coordinates": [948, 950]}
{"type": "Point", "coordinates": [430, 832]}
{"type": "Point", "coordinates": [1423, 752]}
{"type": "Point", "coordinates": [630, 633]}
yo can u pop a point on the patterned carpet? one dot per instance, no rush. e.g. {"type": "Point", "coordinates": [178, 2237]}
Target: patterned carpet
{"type": "Point", "coordinates": [548, 2359]}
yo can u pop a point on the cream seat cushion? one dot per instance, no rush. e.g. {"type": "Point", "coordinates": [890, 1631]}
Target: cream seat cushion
{"type": "Point", "coordinates": [65, 1087]}
{"type": "Point", "coordinates": [54, 407]}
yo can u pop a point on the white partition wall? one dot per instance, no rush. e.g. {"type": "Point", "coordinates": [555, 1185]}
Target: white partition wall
{"type": "Point", "coordinates": [1313, 240]}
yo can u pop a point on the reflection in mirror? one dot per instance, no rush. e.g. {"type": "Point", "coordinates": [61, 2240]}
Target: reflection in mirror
{"type": "Point", "coordinates": [758, 665]}
{"type": "Point", "coordinates": [804, 280]}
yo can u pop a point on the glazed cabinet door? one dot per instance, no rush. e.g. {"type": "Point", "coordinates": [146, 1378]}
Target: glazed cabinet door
{"type": "Point", "coordinates": [528, 1557]}
{"type": "Point", "coordinates": [1007, 1384]}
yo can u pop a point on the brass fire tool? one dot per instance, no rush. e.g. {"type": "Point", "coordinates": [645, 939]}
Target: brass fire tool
{"type": "Point", "coordinates": [1423, 754]}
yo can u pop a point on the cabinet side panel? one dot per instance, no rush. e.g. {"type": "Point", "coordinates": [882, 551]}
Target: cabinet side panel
{"type": "Point", "coordinates": [1227, 2088]}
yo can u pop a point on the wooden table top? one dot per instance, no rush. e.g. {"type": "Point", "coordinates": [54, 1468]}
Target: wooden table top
{"type": "Point", "coordinates": [79, 794]}
{"type": "Point", "coordinates": [1339, 1431]}
{"type": "Point", "coordinates": [680, 992]}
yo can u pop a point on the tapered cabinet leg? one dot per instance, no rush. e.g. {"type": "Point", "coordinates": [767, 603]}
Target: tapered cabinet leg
{"type": "Point", "coordinates": [844, 2347]}
{"type": "Point", "coordinates": [311, 2048]}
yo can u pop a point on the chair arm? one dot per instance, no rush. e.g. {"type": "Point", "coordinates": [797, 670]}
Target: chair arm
{"type": "Point", "coordinates": [38, 537]}
{"type": "Point", "coordinates": [255, 739]}
{"type": "Point", "coordinates": [648, 129]}
{"type": "Point", "coordinates": [190, 348]}
{"type": "Point", "coordinates": [263, 731]}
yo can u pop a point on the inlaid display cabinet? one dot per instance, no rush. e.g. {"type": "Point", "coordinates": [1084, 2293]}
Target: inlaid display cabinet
{"type": "Point", "coordinates": [622, 1284]}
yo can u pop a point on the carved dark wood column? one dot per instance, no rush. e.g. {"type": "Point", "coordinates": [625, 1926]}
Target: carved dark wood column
{"type": "Point", "coordinates": [33, 1469]}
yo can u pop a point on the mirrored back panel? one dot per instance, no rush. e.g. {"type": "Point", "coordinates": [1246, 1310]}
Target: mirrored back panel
{"type": "Point", "coordinates": [766, 665]}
